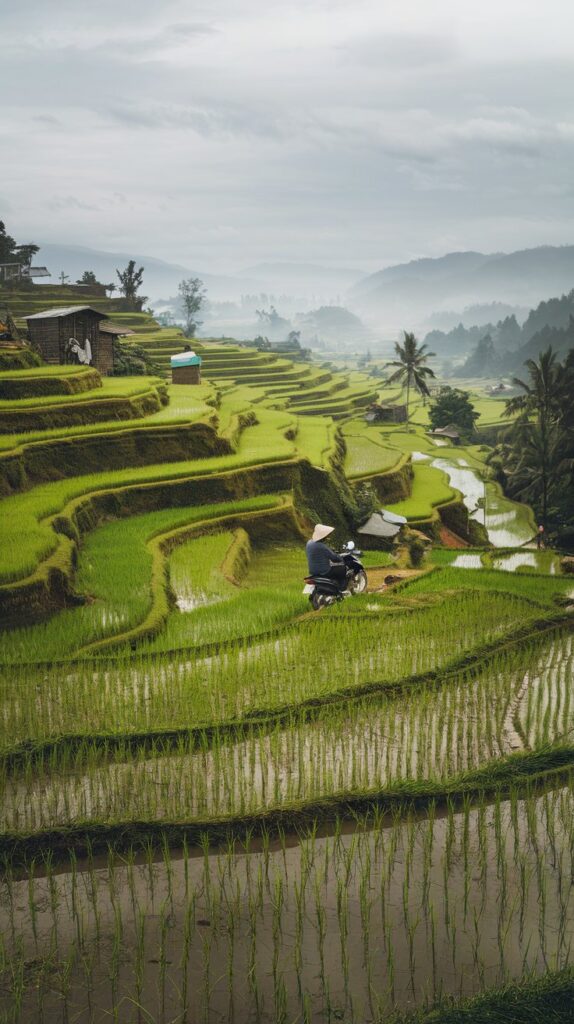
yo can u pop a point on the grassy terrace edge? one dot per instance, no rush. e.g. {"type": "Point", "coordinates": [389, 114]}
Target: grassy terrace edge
{"type": "Point", "coordinates": [533, 1000]}
{"type": "Point", "coordinates": [524, 772]}
{"type": "Point", "coordinates": [50, 583]}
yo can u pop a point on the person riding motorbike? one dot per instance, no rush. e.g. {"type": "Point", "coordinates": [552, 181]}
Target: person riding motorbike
{"type": "Point", "coordinates": [322, 560]}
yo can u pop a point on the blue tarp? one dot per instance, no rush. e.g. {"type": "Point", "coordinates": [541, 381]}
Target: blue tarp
{"type": "Point", "coordinates": [185, 359]}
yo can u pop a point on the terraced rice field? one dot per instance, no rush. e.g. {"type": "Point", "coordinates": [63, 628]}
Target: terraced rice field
{"type": "Point", "coordinates": [216, 804]}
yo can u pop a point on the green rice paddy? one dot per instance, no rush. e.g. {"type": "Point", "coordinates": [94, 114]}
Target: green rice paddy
{"type": "Point", "coordinates": [216, 804]}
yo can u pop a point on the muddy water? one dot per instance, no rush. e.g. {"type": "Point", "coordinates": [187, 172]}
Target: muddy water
{"type": "Point", "coordinates": [507, 522]}
{"type": "Point", "coordinates": [341, 927]}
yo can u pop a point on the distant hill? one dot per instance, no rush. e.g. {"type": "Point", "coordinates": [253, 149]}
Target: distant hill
{"type": "Point", "coordinates": [160, 278]}
{"type": "Point", "coordinates": [415, 290]}
{"type": "Point", "coordinates": [303, 279]}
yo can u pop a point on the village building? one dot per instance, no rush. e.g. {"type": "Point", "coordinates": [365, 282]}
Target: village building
{"type": "Point", "coordinates": [450, 433]}
{"type": "Point", "coordinates": [382, 529]}
{"type": "Point", "coordinates": [73, 334]}
{"type": "Point", "coordinates": [14, 272]}
{"type": "Point", "coordinates": [386, 413]}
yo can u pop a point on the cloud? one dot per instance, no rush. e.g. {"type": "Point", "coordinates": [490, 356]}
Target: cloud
{"type": "Point", "coordinates": [359, 130]}
{"type": "Point", "coordinates": [222, 120]}
{"type": "Point", "coordinates": [399, 50]}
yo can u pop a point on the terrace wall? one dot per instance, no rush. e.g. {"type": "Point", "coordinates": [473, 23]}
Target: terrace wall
{"type": "Point", "coordinates": [95, 453]}
{"type": "Point", "coordinates": [319, 496]}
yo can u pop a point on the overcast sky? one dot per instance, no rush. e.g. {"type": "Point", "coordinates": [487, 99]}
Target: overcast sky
{"type": "Point", "coordinates": [354, 133]}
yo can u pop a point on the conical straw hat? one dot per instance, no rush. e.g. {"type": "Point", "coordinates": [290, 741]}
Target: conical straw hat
{"type": "Point", "coordinates": [320, 531]}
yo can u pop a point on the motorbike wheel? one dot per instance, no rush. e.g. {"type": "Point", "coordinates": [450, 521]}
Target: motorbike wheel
{"type": "Point", "coordinates": [358, 584]}
{"type": "Point", "coordinates": [321, 600]}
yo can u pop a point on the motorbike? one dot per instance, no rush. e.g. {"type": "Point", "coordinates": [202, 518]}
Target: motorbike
{"type": "Point", "coordinates": [323, 591]}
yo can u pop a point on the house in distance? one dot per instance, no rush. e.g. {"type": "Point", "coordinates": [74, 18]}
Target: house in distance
{"type": "Point", "coordinates": [386, 413]}
{"type": "Point", "coordinates": [75, 334]}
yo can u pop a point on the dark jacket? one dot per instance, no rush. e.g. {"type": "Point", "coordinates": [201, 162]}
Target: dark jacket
{"type": "Point", "coordinates": [320, 557]}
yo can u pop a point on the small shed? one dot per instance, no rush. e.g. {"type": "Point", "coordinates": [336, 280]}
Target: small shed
{"type": "Point", "coordinates": [186, 368]}
{"type": "Point", "coordinates": [382, 529]}
{"type": "Point", "coordinates": [449, 433]}
{"type": "Point", "coordinates": [386, 413]}
{"type": "Point", "coordinates": [72, 334]}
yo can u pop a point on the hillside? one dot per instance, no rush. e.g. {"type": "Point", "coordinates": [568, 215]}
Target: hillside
{"type": "Point", "coordinates": [460, 279]}
{"type": "Point", "coordinates": [160, 277]}
{"type": "Point", "coordinates": [207, 784]}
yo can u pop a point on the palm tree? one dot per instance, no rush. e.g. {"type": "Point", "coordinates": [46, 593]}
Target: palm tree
{"type": "Point", "coordinates": [540, 453]}
{"type": "Point", "coordinates": [542, 395]}
{"type": "Point", "coordinates": [411, 367]}
{"type": "Point", "coordinates": [536, 465]}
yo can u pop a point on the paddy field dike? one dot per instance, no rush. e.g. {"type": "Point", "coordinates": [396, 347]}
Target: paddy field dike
{"type": "Point", "coordinates": [218, 805]}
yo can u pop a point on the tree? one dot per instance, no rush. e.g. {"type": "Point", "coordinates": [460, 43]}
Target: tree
{"type": "Point", "coordinates": [482, 362]}
{"type": "Point", "coordinates": [130, 281]}
{"type": "Point", "coordinates": [25, 253]}
{"type": "Point", "coordinates": [453, 406]}
{"type": "Point", "coordinates": [411, 371]}
{"type": "Point", "coordinates": [538, 459]}
{"type": "Point", "coordinates": [88, 277]}
{"type": "Point", "coordinates": [11, 252]}
{"type": "Point", "coordinates": [192, 295]}
{"type": "Point", "coordinates": [7, 245]}
{"type": "Point", "coordinates": [272, 322]}
{"type": "Point", "coordinates": [534, 467]}
{"type": "Point", "coordinates": [541, 395]}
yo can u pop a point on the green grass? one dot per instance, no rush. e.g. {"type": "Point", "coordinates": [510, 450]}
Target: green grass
{"type": "Point", "coordinates": [37, 372]}
{"type": "Point", "coordinates": [539, 589]}
{"type": "Point", "coordinates": [26, 529]}
{"type": "Point", "coordinates": [115, 574]}
{"type": "Point", "coordinates": [430, 488]}
{"type": "Point", "coordinates": [366, 456]}
{"type": "Point", "coordinates": [186, 405]}
{"type": "Point", "coordinates": [112, 387]}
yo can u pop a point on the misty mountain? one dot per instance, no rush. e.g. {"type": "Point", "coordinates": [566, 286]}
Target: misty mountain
{"type": "Point", "coordinates": [448, 267]}
{"type": "Point", "coordinates": [160, 278]}
{"type": "Point", "coordinates": [504, 348]}
{"type": "Point", "coordinates": [303, 279]}
{"type": "Point", "coordinates": [416, 289]}
{"type": "Point", "coordinates": [480, 313]}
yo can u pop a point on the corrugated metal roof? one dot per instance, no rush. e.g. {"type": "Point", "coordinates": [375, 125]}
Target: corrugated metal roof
{"type": "Point", "coordinates": [449, 431]}
{"type": "Point", "coordinates": [64, 311]}
{"type": "Point", "coordinates": [109, 328]}
{"type": "Point", "coordinates": [376, 526]}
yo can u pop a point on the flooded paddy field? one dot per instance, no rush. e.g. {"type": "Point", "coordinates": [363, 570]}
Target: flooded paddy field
{"type": "Point", "coordinates": [395, 913]}
{"type": "Point", "coordinates": [521, 700]}
{"type": "Point", "coordinates": [217, 805]}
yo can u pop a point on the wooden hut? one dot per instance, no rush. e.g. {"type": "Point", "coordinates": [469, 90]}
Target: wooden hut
{"type": "Point", "coordinates": [186, 368]}
{"type": "Point", "coordinates": [450, 433]}
{"type": "Point", "coordinates": [72, 334]}
{"type": "Point", "coordinates": [382, 529]}
{"type": "Point", "coordinates": [386, 413]}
